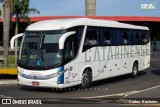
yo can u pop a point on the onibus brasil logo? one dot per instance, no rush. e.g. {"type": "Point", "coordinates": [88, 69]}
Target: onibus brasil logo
{"type": "Point", "coordinates": [149, 6]}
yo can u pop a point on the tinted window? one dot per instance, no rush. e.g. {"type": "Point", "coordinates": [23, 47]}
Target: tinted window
{"type": "Point", "coordinates": [69, 48]}
{"type": "Point", "coordinates": [116, 37]}
{"type": "Point", "coordinates": [105, 37]}
{"type": "Point", "coordinates": [139, 37]}
{"type": "Point", "coordinates": [77, 36]}
{"type": "Point", "coordinates": [72, 43]}
{"type": "Point", "coordinates": [125, 37]}
{"type": "Point", "coordinates": [91, 38]}
{"type": "Point", "coordinates": [145, 37]}
{"type": "Point", "coordinates": [130, 39]}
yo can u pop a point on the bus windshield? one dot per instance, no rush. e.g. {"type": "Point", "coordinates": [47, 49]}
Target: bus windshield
{"type": "Point", "coordinates": [39, 50]}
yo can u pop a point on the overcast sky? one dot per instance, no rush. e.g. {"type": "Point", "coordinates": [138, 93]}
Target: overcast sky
{"type": "Point", "coordinates": [103, 7]}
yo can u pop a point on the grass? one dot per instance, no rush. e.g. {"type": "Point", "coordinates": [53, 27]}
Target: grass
{"type": "Point", "coordinates": [11, 62]}
{"type": "Point", "coordinates": [11, 59]}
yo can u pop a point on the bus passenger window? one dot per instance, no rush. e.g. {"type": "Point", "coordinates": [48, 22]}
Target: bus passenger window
{"type": "Point", "coordinates": [69, 49]}
{"type": "Point", "coordinates": [130, 37]}
{"type": "Point", "coordinates": [87, 42]}
{"type": "Point", "coordinates": [90, 39]}
{"type": "Point", "coordinates": [134, 37]}
{"type": "Point", "coordinates": [125, 38]}
{"type": "Point", "coordinates": [107, 38]}
{"type": "Point", "coordinates": [139, 38]}
{"type": "Point", "coordinates": [93, 41]}
{"type": "Point", "coordinates": [145, 38]}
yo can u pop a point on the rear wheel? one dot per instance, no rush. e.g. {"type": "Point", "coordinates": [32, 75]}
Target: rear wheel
{"type": "Point", "coordinates": [86, 79]}
{"type": "Point", "coordinates": [134, 70]}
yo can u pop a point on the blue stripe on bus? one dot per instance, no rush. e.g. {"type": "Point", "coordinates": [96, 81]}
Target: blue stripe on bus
{"type": "Point", "coordinates": [60, 78]}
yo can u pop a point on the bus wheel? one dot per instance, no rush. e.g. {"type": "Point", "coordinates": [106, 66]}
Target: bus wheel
{"type": "Point", "coordinates": [86, 79]}
{"type": "Point", "coordinates": [134, 70]}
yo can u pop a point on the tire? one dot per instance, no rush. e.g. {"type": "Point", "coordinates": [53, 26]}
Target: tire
{"type": "Point", "coordinates": [134, 70]}
{"type": "Point", "coordinates": [86, 79]}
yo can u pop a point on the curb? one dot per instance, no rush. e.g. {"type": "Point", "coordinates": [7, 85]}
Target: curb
{"type": "Point", "coordinates": [11, 71]}
{"type": "Point", "coordinates": [9, 82]}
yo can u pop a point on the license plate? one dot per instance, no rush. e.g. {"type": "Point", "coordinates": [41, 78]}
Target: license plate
{"type": "Point", "coordinates": [35, 83]}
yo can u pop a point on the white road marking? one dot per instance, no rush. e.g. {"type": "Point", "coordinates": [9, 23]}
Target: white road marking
{"type": "Point", "coordinates": [3, 96]}
{"type": "Point", "coordinates": [124, 94]}
{"type": "Point", "coordinates": [5, 82]}
{"type": "Point", "coordinates": [143, 90]}
{"type": "Point", "coordinates": [112, 95]}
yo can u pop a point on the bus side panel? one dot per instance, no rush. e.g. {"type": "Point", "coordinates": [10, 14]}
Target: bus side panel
{"type": "Point", "coordinates": [104, 65]}
{"type": "Point", "coordinates": [123, 57]}
{"type": "Point", "coordinates": [69, 73]}
{"type": "Point", "coordinates": [89, 59]}
{"type": "Point", "coordinates": [105, 68]}
{"type": "Point", "coordinates": [144, 57]}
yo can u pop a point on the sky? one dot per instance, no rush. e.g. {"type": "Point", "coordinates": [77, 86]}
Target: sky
{"type": "Point", "coordinates": [103, 7]}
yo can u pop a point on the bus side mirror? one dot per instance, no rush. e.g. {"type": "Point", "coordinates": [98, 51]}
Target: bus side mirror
{"type": "Point", "coordinates": [13, 39]}
{"type": "Point", "coordinates": [63, 38]}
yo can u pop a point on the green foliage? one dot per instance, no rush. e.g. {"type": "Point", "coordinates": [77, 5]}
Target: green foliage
{"type": "Point", "coordinates": [11, 62]}
{"type": "Point", "coordinates": [21, 10]}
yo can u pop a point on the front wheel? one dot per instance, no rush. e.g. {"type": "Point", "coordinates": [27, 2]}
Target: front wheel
{"type": "Point", "coordinates": [134, 70]}
{"type": "Point", "coordinates": [86, 79]}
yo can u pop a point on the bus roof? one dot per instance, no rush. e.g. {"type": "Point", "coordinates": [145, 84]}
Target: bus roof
{"type": "Point", "coordinates": [58, 24]}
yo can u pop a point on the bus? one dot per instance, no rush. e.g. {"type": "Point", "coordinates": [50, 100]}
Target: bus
{"type": "Point", "coordinates": [62, 53]}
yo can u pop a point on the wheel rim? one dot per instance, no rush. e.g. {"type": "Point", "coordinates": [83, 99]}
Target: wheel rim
{"type": "Point", "coordinates": [85, 79]}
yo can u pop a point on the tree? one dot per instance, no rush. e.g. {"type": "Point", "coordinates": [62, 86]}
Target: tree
{"type": "Point", "coordinates": [21, 11]}
{"type": "Point", "coordinates": [90, 7]}
{"type": "Point", "coordinates": [6, 29]}
{"type": "Point", "coordinates": [11, 4]}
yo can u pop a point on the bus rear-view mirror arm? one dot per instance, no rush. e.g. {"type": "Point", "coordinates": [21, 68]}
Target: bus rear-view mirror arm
{"type": "Point", "coordinates": [13, 39]}
{"type": "Point", "coordinates": [63, 38]}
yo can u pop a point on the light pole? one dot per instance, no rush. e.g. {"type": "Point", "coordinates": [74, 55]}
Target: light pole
{"type": "Point", "coordinates": [90, 7]}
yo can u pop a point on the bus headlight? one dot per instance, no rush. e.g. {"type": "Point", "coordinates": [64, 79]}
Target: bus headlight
{"type": "Point", "coordinates": [20, 73]}
{"type": "Point", "coordinates": [59, 72]}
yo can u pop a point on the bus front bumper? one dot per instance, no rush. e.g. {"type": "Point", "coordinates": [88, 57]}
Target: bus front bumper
{"type": "Point", "coordinates": [49, 83]}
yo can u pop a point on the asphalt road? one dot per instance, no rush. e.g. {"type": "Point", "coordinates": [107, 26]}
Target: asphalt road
{"type": "Point", "coordinates": [113, 88]}
{"type": "Point", "coordinates": [146, 79]}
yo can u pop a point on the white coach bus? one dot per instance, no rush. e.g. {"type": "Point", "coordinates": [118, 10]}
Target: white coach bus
{"type": "Point", "coordinates": [66, 52]}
